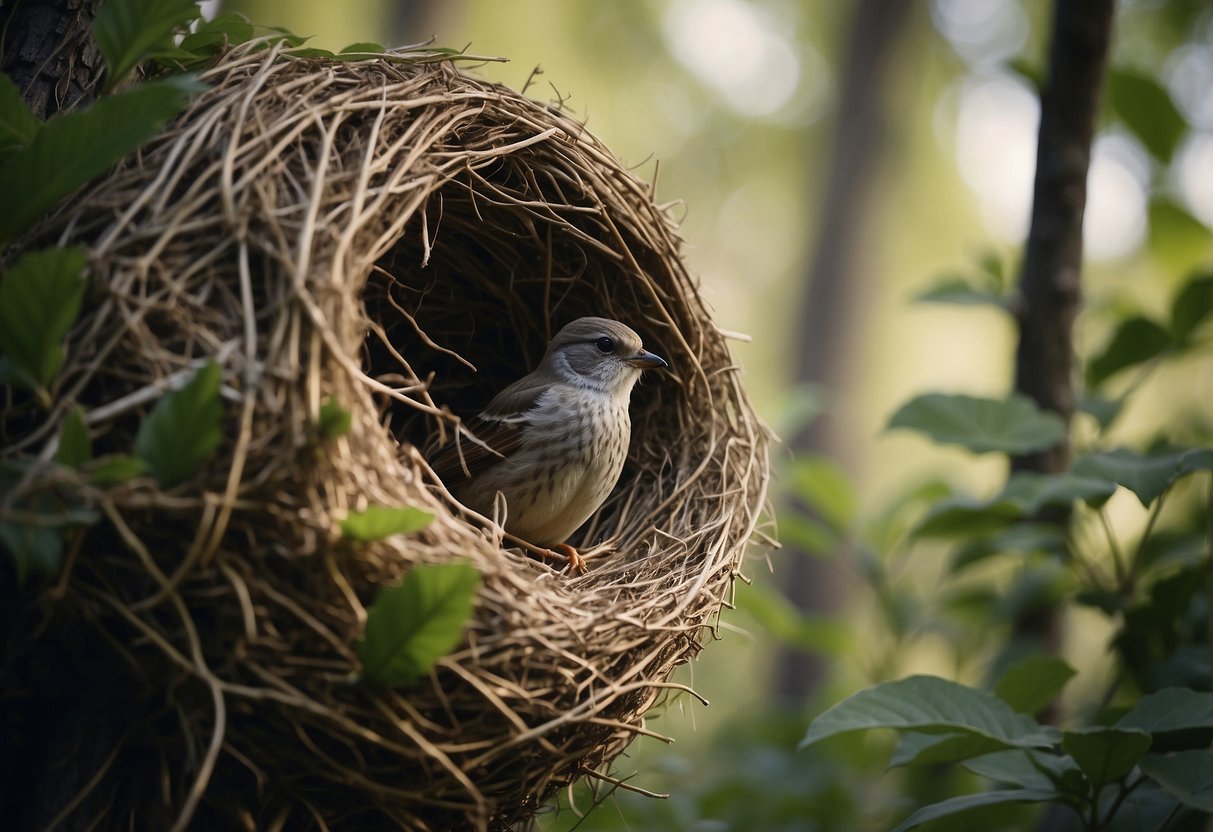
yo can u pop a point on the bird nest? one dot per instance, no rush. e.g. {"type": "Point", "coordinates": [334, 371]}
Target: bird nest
{"type": "Point", "coordinates": [401, 239]}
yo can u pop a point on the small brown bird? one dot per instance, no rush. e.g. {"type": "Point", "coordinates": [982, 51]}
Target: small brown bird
{"type": "Point", "coordinates": [554, 441]}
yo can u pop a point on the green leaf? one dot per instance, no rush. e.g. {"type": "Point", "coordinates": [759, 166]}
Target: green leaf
{"type": "Point", "coordinates": [1185, 775]}
{"type": "Point", "coordinates": [1014, 425]}
{"type": "Point", "coordinates": [1170, 709]}
{"type": "Point", "coordinates": [1106, 754]}
{"type": "Point", "coordinates": [39, 301]}
{"type": "Point", "coordinates": [1026, 769]}
{"type": "Point", "coordinates": [1025, 494]}
{"type": "Point", "coordinates": [932, 749]}
{"type": "Point", "coordinates": [1022, 538]}
{"type": "Point", "coordinates": [956, 805]}
{"type": "Point", "coordinates": [928, 703]}
{"type": "Point", "coordinates": [115, 469]}
{"type": "Point", "coordinates": [412, 625]}
{"type": "Point", "coordinates": [74, 147]}
{"type": "Point", "coordinates": [364, 48]}
{"type": "Point", "coordinates": [1032, 683]}
{"type": "Point", "coordinates": [229, 28]}
{"type": "Point", "coordinates": [805, 533]}
{"type": "Point", "coordinates": [1146, 108]}
{"type": "Point", "coordinates": [960, 292]}
{"type": "Point", "coordinates": [18, 125]}
{"type": "Point", "coordinates": [1191, 307]}
{"type": "Point", "coordinates": [825, 487]}
{"type": "Point", "coordinates": [1178, 241]}
{"type": "Point", "coordinates": [967, 517]}
{"type": "Point", "coordinates": [1135, 341]}
{"type": "Point", "coordinates": [378, 522]}
{"type": "Point", "coordinates": [1147, 475]}
{"type": "Point", "coordinates": [33, 547]}
{"type": "Point", "coordinates": [183, 429]}
{"type": "Point", "coordinates": [129, 31]}
{"type": "Point", "coordinates": [1103, 409]}
{"type": "Point", "coordinates": [75, 445]}
{"type": "Point", "coordinates": [334, 420]}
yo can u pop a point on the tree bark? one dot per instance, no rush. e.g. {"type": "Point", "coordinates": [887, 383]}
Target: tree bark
{"type": "Point", "coordinates": [1050, 284]}
{"type": "Point", "coordinates": [50, 54]}
{"type": "Point", "coordinates": [835, 286]}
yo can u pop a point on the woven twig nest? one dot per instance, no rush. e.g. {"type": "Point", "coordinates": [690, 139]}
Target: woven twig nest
{"type": "Point", "coordinates": [367, 233]}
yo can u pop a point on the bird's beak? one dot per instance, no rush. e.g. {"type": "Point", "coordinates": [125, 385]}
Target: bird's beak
{"type": "Point", "coordinates": [645, 360]}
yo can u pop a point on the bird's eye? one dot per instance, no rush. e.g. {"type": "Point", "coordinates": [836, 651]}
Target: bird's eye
{"type": "Point", "coordinates": [605, 345]}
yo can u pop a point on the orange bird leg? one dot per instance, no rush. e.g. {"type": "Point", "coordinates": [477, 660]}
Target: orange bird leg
{"type": "Point", "coordinates": [575, 562]}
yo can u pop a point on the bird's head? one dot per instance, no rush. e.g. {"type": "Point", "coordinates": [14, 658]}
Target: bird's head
{"type": "Point", "coordinates": [599, 353]}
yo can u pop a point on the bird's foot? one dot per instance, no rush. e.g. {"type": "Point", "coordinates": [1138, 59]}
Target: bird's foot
{"type": "Point", "coordinates": [574, 562]}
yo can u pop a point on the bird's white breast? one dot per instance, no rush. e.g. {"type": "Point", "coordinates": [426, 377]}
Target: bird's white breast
{"type": "Point", "coordinates": [573, 450]}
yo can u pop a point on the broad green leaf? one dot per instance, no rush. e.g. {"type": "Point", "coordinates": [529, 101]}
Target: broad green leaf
{"type": "Point", "coordinates": [960, 292]}
{"type": "Point", "coordinates": [1031, 684]}
{"type": "Point", "coordinates": [229, 28]}
{"type": "Point", "coordinates": [1185, 775]}
{"type": "Point", "coordinates": [130, 31]}
{"type": "Point", "coordinates": [115, 469]}
{"type": "Point", "coordinates": [1103, 409]}
{"type": "Point", "coordinates": [1014, 425]}
{"type": "Point", "coordinates": [310, 52]}
{"type": "Point", "coordinates": [805, 533]}
{"type": "Point", "coordinates": [1191, 308]}
{"type": "Point", "coordinates": [74, 147]}
{"type": "Point", "coordinates": [366, 47]}
{"type": "Point", "coordinates": [932, 749]}
{"type": "Point", "coordinates": [931, 704]}
{"type": "Point", "coordinates": [183, 429]}
{"type": "Point", "coordinates": [378, 522]}
{"type": "Point", "coordinates": [1135, 341]}
{"type": "Point", "coordinates": [75, 445]}
{"type": "Point", "coordinates": [39, 301]}
{"type": "Point", "coordinates": [1106, 754]}
{"type": "Point", "coordinates": [1025, 494]}
{"type": "Point", "coordinates": [18, 125]}
{"type": "Point", "coordinates": [1147, 474]}
{"type": "Point", "coordinates": [1022, 538]}
{"type": "Point", "coordinates": [956, 805]}
{"type": "Point", "coordinates": [413, 624]}
{"type": "Point", "coordinates": [1170, 709]}
{"type": "Point", "coordinates": [1026, 769]}
{"type": "Point", "coordinates": [334, 420]}
{"type": "Point", "coordinates": [1146, 108]}
{"type": "Point", "coordinates": [967, 517]}
{"type": "Point", "coordinates": [825, 487]}
{"type": "Point", "coordinates": [1178, 241]}
{"type": "Point", "coordinates": [32, 547]}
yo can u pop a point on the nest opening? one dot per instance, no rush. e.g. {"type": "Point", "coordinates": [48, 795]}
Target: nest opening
{"type": "Point", "coordinates": [362, 232]}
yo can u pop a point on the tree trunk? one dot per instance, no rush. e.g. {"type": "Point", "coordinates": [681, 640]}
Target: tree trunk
{"type": "Point", "coordinates": [1050, 285]}
{"type": "Point", "coordinates": [835, 287]}
{"type": "Point", "coordinates": [49, 53]}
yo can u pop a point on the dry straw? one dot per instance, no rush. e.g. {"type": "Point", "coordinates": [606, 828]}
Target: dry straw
{"type": "Point", "coordinates": [368, 232]}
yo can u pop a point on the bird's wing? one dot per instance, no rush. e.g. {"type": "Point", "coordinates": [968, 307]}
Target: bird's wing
{"type": "Point", "coordinates": [498, 431]}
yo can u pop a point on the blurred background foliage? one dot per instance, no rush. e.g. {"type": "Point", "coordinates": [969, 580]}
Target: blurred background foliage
{"type": "Point", "coordinates": [739, 110]}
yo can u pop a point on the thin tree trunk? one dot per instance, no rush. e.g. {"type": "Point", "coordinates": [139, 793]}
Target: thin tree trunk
{"type": "Point", "coordinates": [1050, 285]}
{"type": "Point", "coordinates": [836, 285]}
{"type": "Point", "coordinates": [49, 53]}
